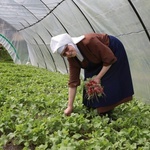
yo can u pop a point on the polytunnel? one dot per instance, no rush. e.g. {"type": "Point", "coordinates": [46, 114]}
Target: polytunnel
{"type": "Point", "coordinates": [26, 27]}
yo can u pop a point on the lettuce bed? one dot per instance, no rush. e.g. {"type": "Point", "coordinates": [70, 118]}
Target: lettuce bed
{"type": "Point", "coordinates": [32, 101]}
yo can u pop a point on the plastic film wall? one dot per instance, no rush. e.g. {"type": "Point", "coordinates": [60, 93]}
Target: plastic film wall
{"type": "Point", "coordinates": [28, 25]}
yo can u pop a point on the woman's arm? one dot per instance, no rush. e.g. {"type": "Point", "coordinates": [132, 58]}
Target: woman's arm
{"type": "Point", "coordinates": [72, 94]}
{"type": "Point", "coordinates": [101, 73]}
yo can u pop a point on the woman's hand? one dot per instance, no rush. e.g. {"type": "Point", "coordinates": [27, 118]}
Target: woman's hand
{"type": "Point", "coordinates": [101, 74]}
{"type": "Point", "coordinates": [68, 111]}
{"type": "Point", "coordinates": [97, 79]}
{"type": "Point", "coordinates": [72, 93]}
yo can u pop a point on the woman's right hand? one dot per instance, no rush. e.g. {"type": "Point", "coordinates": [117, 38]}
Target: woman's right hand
{"type": "Point", "coordinates": [68, 111]}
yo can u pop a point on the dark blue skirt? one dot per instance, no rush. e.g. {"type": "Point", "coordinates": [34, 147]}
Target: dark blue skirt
{"type": "Point", "coordinates": [117, 81]}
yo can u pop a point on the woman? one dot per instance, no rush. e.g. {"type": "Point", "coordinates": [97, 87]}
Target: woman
{"type": "Point", "coordinates": [102, 56]}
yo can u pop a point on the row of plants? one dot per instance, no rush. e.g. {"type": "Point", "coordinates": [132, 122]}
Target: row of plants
{"type": "Point", "coordinates": [32, 101]}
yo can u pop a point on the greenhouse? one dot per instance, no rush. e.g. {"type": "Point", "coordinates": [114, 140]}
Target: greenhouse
{"type": "Point", "coordinates": [27, 26]}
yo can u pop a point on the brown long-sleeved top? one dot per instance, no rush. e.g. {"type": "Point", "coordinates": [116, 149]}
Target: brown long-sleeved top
{"type": "Point", "coordinates": [95, 47]}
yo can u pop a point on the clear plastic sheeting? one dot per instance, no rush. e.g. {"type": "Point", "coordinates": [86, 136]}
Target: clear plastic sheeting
{"type": "Point", "coordinates": [26, 27]}
{"type": "Point", "coordinates": [14, 43]}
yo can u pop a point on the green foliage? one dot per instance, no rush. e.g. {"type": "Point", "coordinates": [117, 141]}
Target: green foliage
{"type": "Point", "coordinates": [32, 101]}
{"type": "Point", "coordinates": [4, 55]}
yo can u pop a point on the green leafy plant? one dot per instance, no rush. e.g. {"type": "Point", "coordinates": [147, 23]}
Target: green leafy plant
{"type": "Point", "coordinates": [4, 55]}
{"type": "Point", "coordinates": [32, 101]}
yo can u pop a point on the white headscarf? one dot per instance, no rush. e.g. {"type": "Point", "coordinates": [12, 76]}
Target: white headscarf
{"type": "Point", "coordinates": [59, 42]}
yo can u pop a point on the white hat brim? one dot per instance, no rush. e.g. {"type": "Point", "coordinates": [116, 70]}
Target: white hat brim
{"type": "Point", "coordinates": [77, 39]}
{"type": "Point", "coordinates": [63, 39]}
